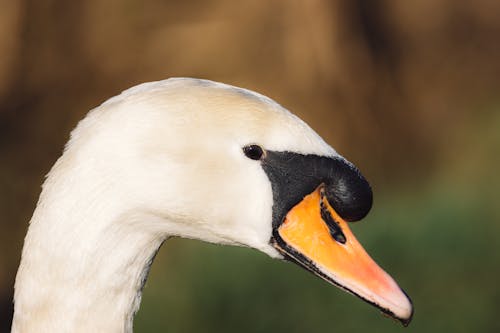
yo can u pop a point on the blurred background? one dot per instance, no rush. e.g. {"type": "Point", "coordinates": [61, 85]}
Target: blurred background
{"type": "Point", "coordinates": [407, 90]}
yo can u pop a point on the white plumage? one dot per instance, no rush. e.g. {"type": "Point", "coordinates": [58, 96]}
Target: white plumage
{"type": "Point", "coordinates": [161, 159]}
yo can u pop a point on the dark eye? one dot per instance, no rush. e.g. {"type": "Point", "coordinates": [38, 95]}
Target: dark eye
{"type": "Point", "coordinates": [253, 151]}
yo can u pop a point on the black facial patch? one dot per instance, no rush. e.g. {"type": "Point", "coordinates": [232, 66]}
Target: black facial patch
{"type": "Point", "coordinates": [293, 176]}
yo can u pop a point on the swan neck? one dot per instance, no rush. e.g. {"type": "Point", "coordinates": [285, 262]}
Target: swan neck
{"type": "Point", "coordinates": [83, 265]}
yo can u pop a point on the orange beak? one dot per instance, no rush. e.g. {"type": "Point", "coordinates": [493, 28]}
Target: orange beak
{"type": "Point", "coordinates": [317, 238]}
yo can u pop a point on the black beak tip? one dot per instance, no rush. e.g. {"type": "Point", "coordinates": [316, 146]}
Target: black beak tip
{"type": "Point", "coordinates": [407, 321]}
{"type": "Point", "coordinates": [403, 321]}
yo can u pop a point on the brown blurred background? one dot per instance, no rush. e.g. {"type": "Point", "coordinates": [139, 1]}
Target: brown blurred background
{"type": "Point", "coordinates": [407, 90]}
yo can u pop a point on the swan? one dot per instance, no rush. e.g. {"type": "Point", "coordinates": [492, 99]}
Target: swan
{"type": "Point", "coordinates": [196, 159]}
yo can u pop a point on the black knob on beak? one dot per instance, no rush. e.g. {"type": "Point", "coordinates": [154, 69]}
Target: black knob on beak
{"type": "Point", "coordinates": [348, 192]}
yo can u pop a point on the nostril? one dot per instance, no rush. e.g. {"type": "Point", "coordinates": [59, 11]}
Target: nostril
{"type": "Point", "coordinates": [349, 193]}
{"type": "Point", "coordinates": [335, 229]}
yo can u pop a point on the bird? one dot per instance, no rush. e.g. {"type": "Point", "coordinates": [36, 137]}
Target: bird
{"type": "Point", "coordinates": [197, 159]}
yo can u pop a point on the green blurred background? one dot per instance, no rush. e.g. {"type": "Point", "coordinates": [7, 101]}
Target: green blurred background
{"type": "Point", "coordinates": [407, 90]}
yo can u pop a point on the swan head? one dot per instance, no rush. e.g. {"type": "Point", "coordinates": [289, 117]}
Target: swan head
{"type": "Point", "coordinates": [204, 160]}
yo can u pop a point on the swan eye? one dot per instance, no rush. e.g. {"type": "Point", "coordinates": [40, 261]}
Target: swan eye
{"type": "Point", "coordinates": [253, 152]}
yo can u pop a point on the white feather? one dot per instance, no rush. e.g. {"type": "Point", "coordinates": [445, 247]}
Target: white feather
{"type": "Point", "coordinates": [161, 159]}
